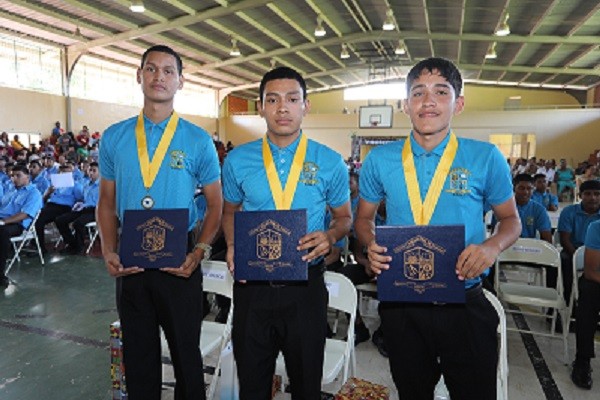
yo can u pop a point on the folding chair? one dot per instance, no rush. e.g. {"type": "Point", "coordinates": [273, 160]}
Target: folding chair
{"type": "Point", "coordinates": [339, 354]}
{"type": "Point", "coordinates": [541, 253]}
{"type": "Point", "coordinates": [23, 239]}
{"type": "Point", "coordinates": [214, 335]}
{"type": "Point", "coordinates": [502, 367]}
{"type": "Point", "coordinates": [93, 232]}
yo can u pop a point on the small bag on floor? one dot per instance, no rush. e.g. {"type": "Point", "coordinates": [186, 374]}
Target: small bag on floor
{"type": "Point", "coordinates": [359, 389]}
{"type": "Point", "coordinates": [117, 369]}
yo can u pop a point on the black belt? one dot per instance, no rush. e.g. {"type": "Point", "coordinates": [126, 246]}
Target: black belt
{"type": "Point", "coordinates": [314, 272]}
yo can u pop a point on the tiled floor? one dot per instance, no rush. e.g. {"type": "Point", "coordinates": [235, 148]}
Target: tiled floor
{"type": "Point", "coordinates": [54, 332]}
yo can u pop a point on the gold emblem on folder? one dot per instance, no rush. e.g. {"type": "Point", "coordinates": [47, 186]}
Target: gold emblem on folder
{"type": "Point", "coordinates": [419, 263]}
{"type": "Point", "coordinates": [154, 236]}
{"type": "Point", "coordinates": [269, 242]}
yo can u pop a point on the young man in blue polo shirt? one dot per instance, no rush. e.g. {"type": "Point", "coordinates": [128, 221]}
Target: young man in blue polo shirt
{"type": "Point", "coordinates": [17, 210]}
{"type": "Point", "coordinates": [290, 318]}
{"type": "Point", "coordinates": [170, 298]}
{"type": "Point", "coordinates": [588, 307]}
{"type": "Point", "coordinates": [572, 227]}
{"type": "Point", "coordinates": [541, 194]}
{"type": "Point", "coordinates": [425, 341]}
{"type": "Point", "coordinates": [82, 213]}
{"type": "Point", "coordinates": [534, 217]}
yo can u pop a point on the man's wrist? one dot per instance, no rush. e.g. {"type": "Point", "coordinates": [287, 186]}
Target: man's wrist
{"type": "Point", "coordinates": [205, 248]}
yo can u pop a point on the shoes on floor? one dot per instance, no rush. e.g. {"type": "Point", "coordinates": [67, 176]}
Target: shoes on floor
{"type": "Point", "coordinates": [581, 375]}
{"type": "Point", "coordinates": [379, 342]}
{"type": "Point", "coordinates": [361, 334]}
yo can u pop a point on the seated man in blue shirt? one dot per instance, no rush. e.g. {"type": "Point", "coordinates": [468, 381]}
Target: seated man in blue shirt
{"type": "Point", "coordinates": [541, 194]}
{"type": "Point", "coordinates": [17, 210]}
{"type": "Point", "coordinates": [572, 227]}
{"type": "Point", "coordinates": [588, 307]}
{"type": "Point", "coordinates": [59, 201]}
{"type": "Point", "coordinates": [37, 177]}
{"type": "Point", "coordinates": [81, 214]}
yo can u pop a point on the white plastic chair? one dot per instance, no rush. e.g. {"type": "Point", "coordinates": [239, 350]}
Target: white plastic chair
{"type": "Point", "coordinates": [578, 264]}
{"type": "Point", "coordinates": [93, 232]}
{"type": "Point", "coordinates": [214, 335]}
{"type": "Point", "coordinates": [533, 251]}
{"type": "Point", "coordinates": [339, 354]}
{"type": "Point", "coordinates": [502, 369]}
{"type": "Point", "coordinates": [18, 242]}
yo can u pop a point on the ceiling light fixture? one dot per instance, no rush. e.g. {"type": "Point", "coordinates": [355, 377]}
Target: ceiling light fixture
{"type": "Point", "coordinates": [137, 6]}
{"type": "Point", "coordinates": [503, 29]}
{"type": "Point", "coordinates": [388, 24]}
{"type": "Point", "coordinates": [235, 51]}
{"type": "Point", "coordinates": [344, 54]}
{"type": "Point", "coordinates": [491, 54]}
{"type": "Point", "coordinates": [319, 29]}
{"type": "Point", "coordinates": [400, 49]}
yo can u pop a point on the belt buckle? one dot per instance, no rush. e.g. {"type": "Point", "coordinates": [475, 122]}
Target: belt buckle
{"type": "Point", "coordinates": [275, 285]}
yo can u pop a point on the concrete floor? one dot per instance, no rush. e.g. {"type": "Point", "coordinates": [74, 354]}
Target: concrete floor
{"type": "Point", "coordinates": [54, 338]}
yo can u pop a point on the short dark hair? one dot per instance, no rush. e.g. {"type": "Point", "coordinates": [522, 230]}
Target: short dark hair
{"type": "Point", "coordinates": [522, 178]}
{"type": "Point", "coordinates": [282, 73]}
{"type": "Point", "coordinates": [164, 49]}
{"type": "Point", "coordinates": [93, 164]}
{"type": "Point", "coordinates": [35, 162]}
{"type": "Point", "coordinates": [20, 168]}
{"type": "Point", "coordinates": [589, 185]}
{"type": "Point", "coordinates": [538, 176]}
{"type": "Point", "coordinates": [445, 67]}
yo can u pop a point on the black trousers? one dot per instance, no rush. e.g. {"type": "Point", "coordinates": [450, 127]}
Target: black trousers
{"type": "Point", "coordinates": [6, 232]}
{"type": "Point", "coordinates": [48, 214]}
{"type": "Point", "coordinates": [588, 307]}
{"type": "Point", "coordinates": [151, 299]}
{"type": "Point", "coordinates": [79, 219]}
{"type": "Point", "coordinates": [458, 341]}
{"type": "Point", "coordinates": [291, 319]}
{"type": "Point", "coordinates": [566, 267]}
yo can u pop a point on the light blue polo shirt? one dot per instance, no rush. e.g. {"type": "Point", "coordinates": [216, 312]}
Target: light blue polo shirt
{"type": "Point", "coordinates": [534, 217]}
{"type": "Point", "coordinates": [67, 196]}
{"type": "Point", "coordinates": [90, 193]}
{"type": "Point", "coordinates": [479, 174]}
{"type": "Point", "coordinates": [26, 199]}
{"type": "Point", "coordinates": [576, 221]}
{"type": "Point", "coordinates": [544, 199]}
{"type": "Point", "coordinates": [592, 237]}
{"type": "Point", "coordinates": [323, 180]}
{"type": "Point", "coordinates": [191, 159]}
{"type": "Point", "coordinates": [41, 183]}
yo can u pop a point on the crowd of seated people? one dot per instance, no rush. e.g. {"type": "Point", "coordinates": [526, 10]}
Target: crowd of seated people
{"type": "Point", "coordinates": [27, 188]}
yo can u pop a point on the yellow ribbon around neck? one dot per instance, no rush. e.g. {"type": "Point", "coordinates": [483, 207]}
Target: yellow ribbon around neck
{"type": "Point", "coordinates": [149, 169]}
{"type": "Point", "coordinates": [422, 212]}
{"type": "Point", "coordinates": [283, 198]}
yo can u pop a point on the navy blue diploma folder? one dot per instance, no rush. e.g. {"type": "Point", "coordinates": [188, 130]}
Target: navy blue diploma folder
{"type": "Point", "coordinates": [154, 238]}
{"type": "Point", "coordinates": [423, 266]}
{"type": "Point", "coordinates": [265, 245]}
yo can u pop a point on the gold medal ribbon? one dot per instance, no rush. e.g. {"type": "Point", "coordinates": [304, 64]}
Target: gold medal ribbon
{"type": "Point", "coordinates": [149, 169]}
{"type": "Point", "coordinates": [422, 212]}
{"type": "Point", "coordinates": [283, 198]}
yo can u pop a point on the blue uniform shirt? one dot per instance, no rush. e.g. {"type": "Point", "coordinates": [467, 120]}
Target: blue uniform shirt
{"type": "Point", "coordinates": [479, 174]}
{"type": "Point", "coordinates": [67, 196]}
{"type": "Point", "coordinates": [592, 237]}
{"type": "Point", "coordinates": [534, 217]}
{"type": "Point", "coordinates": [90, 193]}
{"type": "Point", "coordinates": [191, 159]}
{"type": "Point", "coordinates": [323, 180]}
{"type": "Point", "coordinates": [26, 199]}
{"type": "Point", "coordinates": [574, 220]}
{"type": "Point", "coordinates": [41, 183]}
{"type": "Point", "coordinates": [544, 199]}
